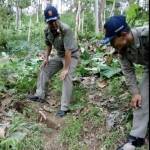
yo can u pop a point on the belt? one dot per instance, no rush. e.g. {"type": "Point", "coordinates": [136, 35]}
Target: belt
{"type": "Point", "coordinates": [76, 57]}
{"type": "Point", "coordinates": [73, 56]}
{"type": "Point", "coordinates": [75, 51]}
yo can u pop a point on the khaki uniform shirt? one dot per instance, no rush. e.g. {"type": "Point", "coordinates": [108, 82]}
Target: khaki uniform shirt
{"type": "Point", "coordinates": [137, 53]}
{"type": "Point", "coordinates": [64, 41]}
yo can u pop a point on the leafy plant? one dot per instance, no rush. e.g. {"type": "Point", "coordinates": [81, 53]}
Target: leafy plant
{"type": "Point", "coordinates": [136, 16]}
{"type": "Point", "coordinates": [96, 64]}
{"type": "Point", "coordinates": [19, 75]}
{"type": "Point", "coordinates": [22, 135]}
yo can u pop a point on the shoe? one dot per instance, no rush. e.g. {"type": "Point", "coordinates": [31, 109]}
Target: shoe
{"type": "Point", "coordinates": [35, 99]}
{"type": "Point", "coordinates": [62, 113]}
{"type": "Point", "coordinates": [127, 146]}
{"type": "Point", "coordinates": [132, 143]}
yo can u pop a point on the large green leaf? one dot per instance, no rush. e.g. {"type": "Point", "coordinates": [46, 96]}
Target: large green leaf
{"type": "Point", "coordinates": [109, 71]}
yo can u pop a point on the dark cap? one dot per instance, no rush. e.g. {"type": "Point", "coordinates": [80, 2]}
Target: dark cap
{"type": "Point", "coordinates": [113, 26]}
{"type": "Point", "coordinates": [51, 13]}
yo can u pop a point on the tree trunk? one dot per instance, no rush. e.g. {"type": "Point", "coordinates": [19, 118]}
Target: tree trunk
{"type": "Point", "coordinates": [30, 23]}
{"type": "Point", "coordinates": [102, 12]}
{"type": "Point", "coordinates": [61, 6]}
{"type": "Point", "coordinates": [20, 15]}
{"type": "Point", "coordinates": [6, 3]}
{"type": "Point", "coordinates": [17, 15]}
{"type": "Point", "coordinates": [82, 27]}
{"type": "Point", "coordinates": [37, 16]}
{"type": "Point", "coordinates": [29, 32]}
{"type": "Point", "coordinates": [97, 16]}
{"type": "Point", "coordinates": [77, 19]}
{"type": "Point", "coordinates": [113, 8]}
{"type": "Point", "coordinates": [37, 11]}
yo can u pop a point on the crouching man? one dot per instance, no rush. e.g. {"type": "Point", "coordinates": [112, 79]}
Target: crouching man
{"type": "Point", "coordinates": [60, 36]}
{"type": "Point", "coordinates": [132, 46]}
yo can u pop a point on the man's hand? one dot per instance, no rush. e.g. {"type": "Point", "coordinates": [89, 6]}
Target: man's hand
{"type": "Point", "coordinates": [136, 101]}
{"type": "Point", "coordinates": [63, 74]}
{"type": "Point", "coordinates": [66, 66]}
{"type": "Point", "coordinates": [46, 58]}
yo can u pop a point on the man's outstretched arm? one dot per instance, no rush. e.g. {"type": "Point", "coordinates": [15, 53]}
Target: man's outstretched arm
{"type": "Point", "coordinates": [67, 62]}
{"type": "Point", "coordinates": [131, 81]}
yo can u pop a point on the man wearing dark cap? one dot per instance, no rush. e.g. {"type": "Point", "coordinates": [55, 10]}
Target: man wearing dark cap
{"type": "Point", "coordinates": [132, 46]}
{"type": "Point", "coordinates": [61, 37]}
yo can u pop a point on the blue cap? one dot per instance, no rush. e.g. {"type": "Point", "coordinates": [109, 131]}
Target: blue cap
{"type": "Point", "coordinates": [112, 27]}
{"type": "Point", "coordinates": [51, 13]}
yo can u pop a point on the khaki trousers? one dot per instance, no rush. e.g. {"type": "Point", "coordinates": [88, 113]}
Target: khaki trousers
{"type": "Point", "coordinates": [56, 64]}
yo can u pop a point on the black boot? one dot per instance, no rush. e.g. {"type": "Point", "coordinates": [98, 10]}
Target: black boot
{"type": "Point", "coordinates": [132, 142]}
{"type": "Point", "coordinates": [62, 113]}
{"type": "Point", "coordinates": [36, 99]}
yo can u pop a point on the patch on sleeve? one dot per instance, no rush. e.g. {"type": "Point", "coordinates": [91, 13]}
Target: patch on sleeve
{"type": "Point", "coordinates": [145, 31]}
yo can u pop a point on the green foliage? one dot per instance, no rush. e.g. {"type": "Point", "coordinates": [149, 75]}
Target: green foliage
{"type": "Point", "coordinates": [56, 84]}
{"type": "Point", "coordinates": [95, 64]}
{"type": "Point", "coordinates": [109, 71]}
{"type": "Point", "coordinates": [71, 134]}
{"type": "Point", "coordinates": [85, 61]}
{"type": "Point", "coordinates": [23, 3]}
{"type": "Point", "coordinates": [5, 19]}
{"type": "Point", "coordinates": [94, 115]}
{"type": "Point", "coordinates": [139, 72]}
{"type": "Point", "coordinates": [89, 23]}
{"type": "Point", "coordinates": [22, 135]}
{"type": "Point", "coordinates": [111, 139]}
{"type": "Point", "coordinates": [79, 98]}
{"type": "Point", "coordinates": [136, 16]}
{"type": "Point", "coordinates": [69, 18]}
{"type": "Point", "coordinates": [19, 75]}
{"type": "Point", "coordinates": [115, 87]}
{"type": "Point", "coordinates": [88, 35]}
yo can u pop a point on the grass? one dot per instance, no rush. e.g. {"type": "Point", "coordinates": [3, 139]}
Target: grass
{"type": "Point", "coordinates": [56, 83]}
{"type": "Point", "coordinates": [33, 142]}
{"type": "Point", "coordinates": [22, 135]}
{"type": "Point", "coordinates": [116, 86]}
{"type": "Point", "coordinates": [143, 148]}
{"type": "Point", "coordinates": [93, 118]}
{"type": "Point", "coordinates": [71, 134]}
{"type": "Point", "coordinates": [94, 115]}
{"type": "Point", "coordinates": [110, 140]}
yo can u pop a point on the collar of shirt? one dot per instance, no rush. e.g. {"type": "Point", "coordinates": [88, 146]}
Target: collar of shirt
{"type": "Point", "coordinates": [61, 30]}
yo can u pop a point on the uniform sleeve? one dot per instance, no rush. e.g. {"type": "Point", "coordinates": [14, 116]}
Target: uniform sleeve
{"type": "Point", "coordinates": [69, 40]}
{"type": "Point", "coordinates": [145, 33]}
{"type": "Point", "coordinates": [47, 42]}
{"type": "Point", "coordinates": [129, 72]}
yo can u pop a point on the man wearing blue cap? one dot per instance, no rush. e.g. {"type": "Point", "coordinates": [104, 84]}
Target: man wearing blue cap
{"type": "Point", "coordinates": [132, 46]}
{"type": "Point", "coordinates": [60, 36]}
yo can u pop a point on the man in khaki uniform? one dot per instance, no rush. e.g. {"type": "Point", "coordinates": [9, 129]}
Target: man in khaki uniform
{"type": "Point", "coordinates": [60, 36]}
{"type": "Point", "coordinates": [132, 46]}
